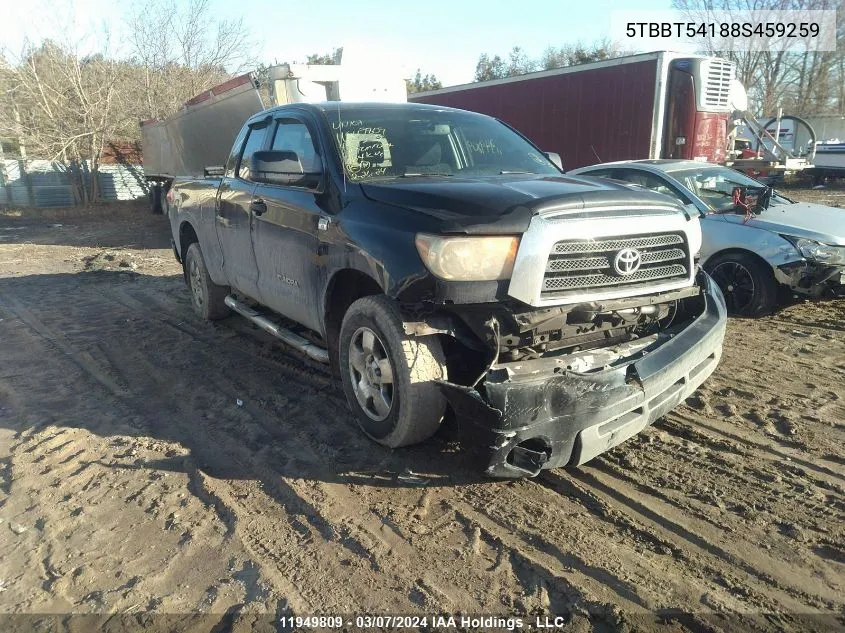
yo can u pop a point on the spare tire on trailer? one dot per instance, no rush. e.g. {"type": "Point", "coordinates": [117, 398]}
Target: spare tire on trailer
{"type": "Point", "coordinates": [799, 122]}
{"type": "Point", "coordinates": [156, 196]}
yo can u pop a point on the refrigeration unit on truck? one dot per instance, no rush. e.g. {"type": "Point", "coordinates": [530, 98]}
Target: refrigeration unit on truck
{"type": "Point", "coordinates": [436, 260]}
{"type": "Point", "coordinates": [653, 105]}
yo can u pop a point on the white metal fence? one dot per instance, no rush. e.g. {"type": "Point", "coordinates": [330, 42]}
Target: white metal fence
{"type": "Point", "coordinates": [41, 183]}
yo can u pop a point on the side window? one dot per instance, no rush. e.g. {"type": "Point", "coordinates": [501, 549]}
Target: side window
{"type": "Point", "coordinates": [293, 136]}
{"type": "Point", "coordinates": [232, 161]}
{"type": "Point", "coordinates": [653, 182]}
{"type": "Point", "coordinates": [254, 142]}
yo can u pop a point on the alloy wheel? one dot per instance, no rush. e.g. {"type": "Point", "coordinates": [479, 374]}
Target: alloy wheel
{"type": "Point", "coordinates": [371, 373]}
{"type": "Point", "coordinates": [736, 283]}
{"type": "Point", "coordinates": [195, 277]}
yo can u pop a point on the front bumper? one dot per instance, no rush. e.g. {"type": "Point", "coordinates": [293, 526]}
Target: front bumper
{"type": "Point", "coordinates": [539, 415]}
{"type": "Point", "coordinates": [812, 279]}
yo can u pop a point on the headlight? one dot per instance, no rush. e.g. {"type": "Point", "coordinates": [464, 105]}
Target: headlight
{"type": "Point", "coordinates": [468, 258]}
{"type": "Point", "coordinates": [818, 252]}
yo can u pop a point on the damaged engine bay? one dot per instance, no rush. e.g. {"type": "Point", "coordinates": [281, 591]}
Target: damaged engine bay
{"type": "Point", "coordinates": [561, 331]}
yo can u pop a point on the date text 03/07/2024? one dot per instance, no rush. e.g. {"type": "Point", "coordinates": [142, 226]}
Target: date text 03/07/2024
{"type": "Point", "coordinates": [422, 621]}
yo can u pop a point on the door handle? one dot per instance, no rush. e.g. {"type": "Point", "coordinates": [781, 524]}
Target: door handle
{"type": "Point", "coordinates": [257, 206]}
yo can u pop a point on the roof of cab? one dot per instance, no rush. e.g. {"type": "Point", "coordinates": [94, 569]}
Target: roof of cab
{"type": "Point", "coordinates": [328, 107]}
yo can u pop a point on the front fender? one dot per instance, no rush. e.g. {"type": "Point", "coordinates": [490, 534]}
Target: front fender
{"type": "Point", "coordinates": [720, 235]}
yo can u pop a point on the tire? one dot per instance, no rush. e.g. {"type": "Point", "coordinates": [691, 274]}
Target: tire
{"type": "Point", "coordinates": [156, 197]}
{"type": "Point", "coordinates": [207, 298]}
{"type": "Point", "coordinates": [811, 133]}
{"type": "Point", "coordinates": [409, 407]}
{"type": "Point", "coordinates": [748, 285]}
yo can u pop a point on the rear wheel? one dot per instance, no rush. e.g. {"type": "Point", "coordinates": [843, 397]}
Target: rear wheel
{"type": "Point", "coordinates": [207, 298]}
{"type": "Point", "coordinates": [388, 377]}
{"type": "Point", "coordinates": [748, 286]}
{"type": "Point", "coordinates": [156, 197]}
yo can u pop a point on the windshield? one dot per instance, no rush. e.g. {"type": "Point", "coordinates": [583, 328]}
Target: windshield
{"type": "Point", "coordinates": [397, 142]}
{"type": "Point", "coordinates": [714, 185]}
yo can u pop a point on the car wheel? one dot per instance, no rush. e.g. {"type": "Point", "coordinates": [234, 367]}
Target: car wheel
{"type": "Point", "coordinates": [388, 377]}
{"type": "Point", "coordinates": [156, 198]}
{"type": "Point", "coordinates": [207, 298]}
{"type": "Point", "coordinates": [747, 284]}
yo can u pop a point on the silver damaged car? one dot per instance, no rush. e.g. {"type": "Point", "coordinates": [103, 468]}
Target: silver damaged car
{"type": "Point", "coordinates": [756, 242]}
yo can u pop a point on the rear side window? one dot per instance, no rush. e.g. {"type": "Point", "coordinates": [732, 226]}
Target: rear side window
{"type": "Point", "coordinates": [254, 142]}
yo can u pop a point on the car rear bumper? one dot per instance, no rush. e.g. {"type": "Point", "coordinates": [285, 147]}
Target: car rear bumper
{"type": "Point", "coordinates": [535, 415]}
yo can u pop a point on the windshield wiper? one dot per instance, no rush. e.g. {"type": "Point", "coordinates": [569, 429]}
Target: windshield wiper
{"type": "Point", "coordinates": [429, 173]}
{"type": "Point", "coordinates": [506, 172]}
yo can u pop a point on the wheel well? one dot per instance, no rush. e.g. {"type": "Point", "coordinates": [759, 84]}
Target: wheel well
{"type": "Point", "coordinates": [187, 236]}
{"type": "Point", "coordinates": [346, 287]}
{"type": "Point", "coordinates": [741, 251]}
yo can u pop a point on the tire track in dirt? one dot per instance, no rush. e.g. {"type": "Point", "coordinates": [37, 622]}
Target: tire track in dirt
{"type": "Point", "coordinates": [152, 404]}
{"type": "Point", "coordinates": [762, 571]}
{"type": "Point", "coordinates": [288, 496]}
{"type": "Point", "coordinates": [291, 457]}
{"type": "Point", "coordinates": [340, 506]}
{"type": "Point", "coordinates": [235, 329]}
{"type": "Point", "coordinates": [579, 585]}
{"type": "Point", "coordinates": [83, 360]}
{"type": "Point", "coordinates": [468, 511]}
{"type": "Point", "coordinates": [750, 445]}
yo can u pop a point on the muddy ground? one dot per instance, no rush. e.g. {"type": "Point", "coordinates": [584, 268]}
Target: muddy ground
{"type": "Point", "coordinates": [152, 464]}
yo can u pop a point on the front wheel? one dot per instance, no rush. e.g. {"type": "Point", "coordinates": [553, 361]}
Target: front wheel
{"type": "Point", "coordinates": [388, 377]}
{"type": "Point", "coordinates": [748, 286]}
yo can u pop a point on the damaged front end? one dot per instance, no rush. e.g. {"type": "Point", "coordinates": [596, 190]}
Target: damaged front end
{"type": "Point", "coordinates": [560, 392]}
{"type": "Point", "coordinates": [812, 279]}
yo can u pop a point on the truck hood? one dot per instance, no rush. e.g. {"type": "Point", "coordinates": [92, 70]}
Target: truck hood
{"type": "Point", "coordinates": [505, 204]}
{"type": "Point", "coordinates": [801, 219]}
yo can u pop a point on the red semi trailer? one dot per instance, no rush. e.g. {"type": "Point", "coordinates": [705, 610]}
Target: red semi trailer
{"type": "Point", "coordinates": [653, 105]}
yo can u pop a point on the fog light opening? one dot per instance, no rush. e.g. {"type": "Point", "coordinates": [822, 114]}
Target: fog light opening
{"type": "Point", "coordinates": [530, 455]}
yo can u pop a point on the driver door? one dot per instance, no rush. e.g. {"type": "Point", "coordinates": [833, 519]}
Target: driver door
{"type": "Point", "coordinates": [286, 235]}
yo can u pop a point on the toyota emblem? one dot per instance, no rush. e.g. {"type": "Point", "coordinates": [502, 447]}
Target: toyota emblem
{"type": "Point", "coordinates": [627, 261]}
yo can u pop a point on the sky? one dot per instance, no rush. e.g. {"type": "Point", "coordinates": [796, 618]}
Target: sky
{"type": "Point", "coordinates": [443, 37]}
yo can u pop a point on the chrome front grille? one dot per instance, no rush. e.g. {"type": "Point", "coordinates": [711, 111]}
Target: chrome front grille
{"type": "Point", "coordinates": [584, 264]}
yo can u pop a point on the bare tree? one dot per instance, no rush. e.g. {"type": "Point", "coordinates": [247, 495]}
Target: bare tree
{"type": "Point", "coordinates": [183, 49]}
{"type": "Point", "coordinates": [803, 82]}
{"type": "Point", "coordinates": [61, 106]}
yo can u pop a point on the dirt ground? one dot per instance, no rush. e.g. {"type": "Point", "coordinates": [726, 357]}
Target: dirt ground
{"type": "Point", "coordinates": [152, 465]}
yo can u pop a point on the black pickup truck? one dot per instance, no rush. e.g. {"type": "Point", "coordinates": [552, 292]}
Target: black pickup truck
{"type": "Point", "coordinates": [436, 258]}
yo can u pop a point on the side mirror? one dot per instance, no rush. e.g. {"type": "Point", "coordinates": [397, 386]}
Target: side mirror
{"type": "Point", "coordinates": [283, 167]}
{"type": "Point", "coordinates": [555, 158]}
